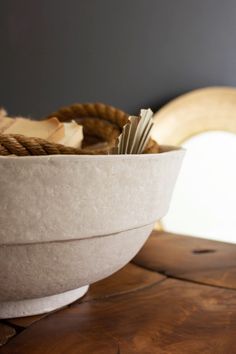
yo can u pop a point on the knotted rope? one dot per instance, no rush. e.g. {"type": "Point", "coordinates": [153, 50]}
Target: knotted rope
{"type": "Point", "coordinates": [101, 123]}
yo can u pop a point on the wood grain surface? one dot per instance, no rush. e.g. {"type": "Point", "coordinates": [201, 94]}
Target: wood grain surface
{"type": "Point", "coordinates": [6, 332]}
{"type": "Point", "coordinates": [190, 258]}
{"type": "Point", "coordinates": [188, 309]}
{"type": "Point", "coordinates": [128, 279]}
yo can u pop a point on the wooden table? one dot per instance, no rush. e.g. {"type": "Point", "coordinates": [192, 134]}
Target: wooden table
{"type": "Point", "coordinates": [178, 296]}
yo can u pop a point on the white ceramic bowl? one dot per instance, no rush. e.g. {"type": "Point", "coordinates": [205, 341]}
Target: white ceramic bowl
{"type": "Point", "coordinates": [68, 221]}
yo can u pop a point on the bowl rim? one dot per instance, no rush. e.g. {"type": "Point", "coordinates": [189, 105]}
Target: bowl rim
{"type": "Point", "coordinates": [165, 150]}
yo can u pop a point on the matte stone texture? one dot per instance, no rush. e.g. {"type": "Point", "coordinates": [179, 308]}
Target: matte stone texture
{"type": "Point", "coordinates": [69, 221]}
{"type": "Point", "coordinates": [52, 198]}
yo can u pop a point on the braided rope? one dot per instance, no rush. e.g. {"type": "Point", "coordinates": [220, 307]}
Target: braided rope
{"type": "Point", "coordinates": [108, 127]}
{"type": "Point", "coordinates": [99, 121]}
{"type": "Point", "coordinates": [152, 147]}
{"type": "Point", "coordinates": [21, 145]}
{"type": "Point", "coordinates": [99, 128]}
{"type": "Point", "coordinates": [95, 110]}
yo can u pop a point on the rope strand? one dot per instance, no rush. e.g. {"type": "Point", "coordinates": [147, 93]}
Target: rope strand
{"type": "Point", "coordinates": [99, 121]}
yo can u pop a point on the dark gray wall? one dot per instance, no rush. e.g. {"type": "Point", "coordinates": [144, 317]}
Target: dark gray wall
{"type": "Point", "coordinates": [129, 53]}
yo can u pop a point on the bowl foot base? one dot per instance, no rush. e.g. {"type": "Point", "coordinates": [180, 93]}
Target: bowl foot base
{"type": "Point", "coordinates": [22, 308]}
